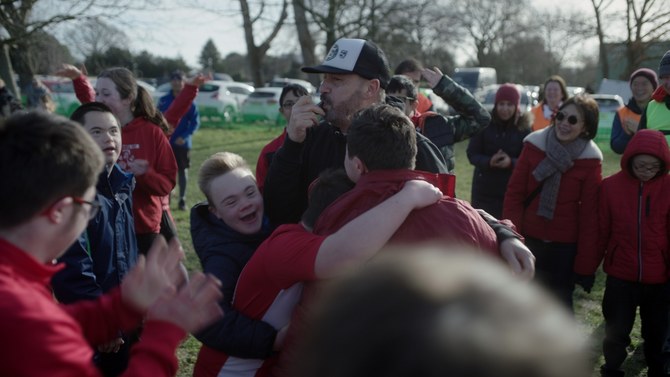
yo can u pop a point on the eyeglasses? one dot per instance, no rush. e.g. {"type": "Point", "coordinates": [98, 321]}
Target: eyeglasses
{"type": "Point", "coordinates": [654, 168]}
{"type": "Point", "coordinates": [287, 105]}
{"type": "Point", "coordinates": [572, 119]}
{"type": "Point", "coordinates": [95, 206]}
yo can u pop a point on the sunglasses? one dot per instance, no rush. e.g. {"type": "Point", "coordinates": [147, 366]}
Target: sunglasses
{"type": "Point", "coordinates": [572, 119]}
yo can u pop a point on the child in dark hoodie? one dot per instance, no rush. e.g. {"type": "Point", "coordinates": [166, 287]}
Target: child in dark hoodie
{"type": "Point", "coordinates": [633, 242]}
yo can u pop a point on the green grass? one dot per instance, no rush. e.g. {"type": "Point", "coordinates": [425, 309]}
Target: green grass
{"type": "Point", "coordinates": [247, 140]}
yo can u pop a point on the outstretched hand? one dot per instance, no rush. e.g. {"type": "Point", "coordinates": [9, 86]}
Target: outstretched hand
{"type": "Point", "coordinates": [194, 307]}
{"type": "Point", "coordinates": [157, 274]}
{"type": "Point", "coordinates": [199, 79]}
{"type": "Point", "coordinates": [69, 71]}
{"type": "Point", "coordinates": [432, 76]}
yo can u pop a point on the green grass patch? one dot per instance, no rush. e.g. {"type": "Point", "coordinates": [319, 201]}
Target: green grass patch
{"type": "Point", "coordinates": [247, 141]}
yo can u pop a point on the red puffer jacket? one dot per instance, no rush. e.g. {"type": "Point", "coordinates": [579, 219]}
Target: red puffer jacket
{"type": "Point", "coordinates": [634, 218]}
{"type": "Point", "coordinates": [575, 217]}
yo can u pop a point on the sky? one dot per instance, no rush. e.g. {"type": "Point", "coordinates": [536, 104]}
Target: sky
{"type": "Point", "coordinates": [180, 31]}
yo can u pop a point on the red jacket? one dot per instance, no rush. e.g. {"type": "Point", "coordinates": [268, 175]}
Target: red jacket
{"type": "Point", "coordinates": [634, 218]}
{"type": "Point", "coordinates": [575, 216]}
{"type": "Point", "coordinates": [144, 140]}
{"type": "Point", "coordinates": [265, 158]}
{"type": "Point", "coordinates": [450, 219]}
{"type": "Point", "coordinates": [43, 337]}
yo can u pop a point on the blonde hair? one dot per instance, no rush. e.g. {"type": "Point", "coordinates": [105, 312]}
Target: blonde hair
{"type": "Point", "coordinates": [217, 165]}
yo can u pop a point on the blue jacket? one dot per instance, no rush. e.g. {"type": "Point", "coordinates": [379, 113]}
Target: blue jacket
{"type": "Point", "coordinates": [619, 138]}
{"type": "Point", "coordinates": [188, 124]}
{"type": "Point", "coordinates": [107, 249]}
{"type": "Point", "coordinates": [223, 252]}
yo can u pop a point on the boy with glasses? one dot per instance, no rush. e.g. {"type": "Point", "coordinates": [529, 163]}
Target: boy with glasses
{"type": "Point", "coordinates": [633, 245]}
{"type": "Point", "coordinates": [52, 164]}
{"type": "Point", "coordinates": [107, 249]}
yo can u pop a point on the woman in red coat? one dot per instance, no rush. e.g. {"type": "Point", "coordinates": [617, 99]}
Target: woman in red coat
{"type": "Point", "coordinates": [552, 194]}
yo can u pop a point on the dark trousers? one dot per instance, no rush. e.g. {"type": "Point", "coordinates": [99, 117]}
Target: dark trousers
{"type": "Point", "coordinates": [620, 303]}
{"type": "Point", "coordinates": [554, 267]}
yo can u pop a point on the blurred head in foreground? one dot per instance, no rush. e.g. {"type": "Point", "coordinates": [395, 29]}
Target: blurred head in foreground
{"type": "Point", "coordinates": [430, 313]}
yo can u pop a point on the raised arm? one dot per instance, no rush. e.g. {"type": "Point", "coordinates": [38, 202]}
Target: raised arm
{"type": "Point", "coordinates": [472, 116]}
{"type": "Point", "coordinates": [363, 236]}
{"type": "Point", "coordinates": [82, 87]}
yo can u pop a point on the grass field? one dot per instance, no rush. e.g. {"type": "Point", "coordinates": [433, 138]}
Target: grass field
{"type": "Point", "coordinates": [247, 140]}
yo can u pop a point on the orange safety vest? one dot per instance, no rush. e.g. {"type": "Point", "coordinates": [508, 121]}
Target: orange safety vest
{"type": "Point", "coordinates": [539, 121]}
{"type": "Point", "coordinates": [626, 113]}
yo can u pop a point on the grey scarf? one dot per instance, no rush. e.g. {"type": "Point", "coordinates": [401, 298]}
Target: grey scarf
{"type": "Point", "coordinates": [550, 170]}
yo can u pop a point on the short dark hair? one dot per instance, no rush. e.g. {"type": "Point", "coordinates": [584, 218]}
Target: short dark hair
{"type": "Point", "coordinates": [400, 82]}
{"type": "Point", "coordinates": [408, 65]}
{"type": "Point", "coordinates": [297, 90]}
{"type": "Point", "coordinates": [382, 137]}
{"type": "Point", "coordinates": [588, 108]}
{"type": "Point", "coordinates": [330, 185]}
{"type": "Point", "coordinates": [43, 157]}
{"type": "Point", "coordinates": [80, 113]}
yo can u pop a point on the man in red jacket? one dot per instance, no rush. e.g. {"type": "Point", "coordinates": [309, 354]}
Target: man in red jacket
{"type": "Point", "coordinates": [53, 165]}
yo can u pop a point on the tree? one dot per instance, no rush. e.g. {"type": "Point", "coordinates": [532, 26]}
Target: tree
{"type": "Point", "coordinates": [95, 36]}
{"type": "Point", "coordinates": [210, 57]}
{"type": "Point", "coordinates": [647, 22]}
{"type": "Point", "coordinates": [22, 20]}
{"type": "Point", "coordinates": [256, 52]}
{"type": "Point", "coordinates": [112, 57]}
{"type": "Point", "coordinates": [307, 44]}
{"type": "Point", "coordinates": [600, 7]}
{"type": "Point", "coordinates": [490, 25]}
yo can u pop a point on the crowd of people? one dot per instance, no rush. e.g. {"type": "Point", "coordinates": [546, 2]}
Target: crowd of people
{"type": "Point", "coordinates": [347, 252]}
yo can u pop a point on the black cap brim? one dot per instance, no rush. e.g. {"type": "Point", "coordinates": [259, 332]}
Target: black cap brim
{"type": "Point", "coordinates": [324, 69]}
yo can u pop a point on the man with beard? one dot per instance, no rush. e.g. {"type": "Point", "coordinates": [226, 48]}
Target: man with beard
{"type": "Point", "coordinates": [356, 73]}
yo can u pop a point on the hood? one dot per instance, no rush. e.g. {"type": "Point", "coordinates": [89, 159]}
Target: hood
{"type": "Point", "coordinates": [651, 142]}
{"type": "Point", "coordinates": [210, 234]}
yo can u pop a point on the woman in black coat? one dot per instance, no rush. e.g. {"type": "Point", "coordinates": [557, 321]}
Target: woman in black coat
{"type": "Point", "coordinates": [494, 150]}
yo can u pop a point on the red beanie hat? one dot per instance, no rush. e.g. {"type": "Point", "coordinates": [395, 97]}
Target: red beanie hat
{"type": "Point", "coordinates": [646, 73]}
{"type": "Point", "coordinates": [508, 92]}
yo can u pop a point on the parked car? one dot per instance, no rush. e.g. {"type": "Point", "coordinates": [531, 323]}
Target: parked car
{"type": "Point", "coordinates": [475, 78]}
{"type": "Point", "coordinates": [280, 82]}
{"type": "Point", "coordinates": [217, 101]}
{"type": "Point", "coordinates": [487, 95]}
{"type": "Point", "coordinates": [263, 104]}
{"type": "Point", "coordinates": [608, 105]}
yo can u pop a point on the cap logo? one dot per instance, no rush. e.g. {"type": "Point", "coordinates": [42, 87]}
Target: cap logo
{"type": "Point", "coordinates": [343, 54]}
{"type": "Point", "coordinates": [333, 52]}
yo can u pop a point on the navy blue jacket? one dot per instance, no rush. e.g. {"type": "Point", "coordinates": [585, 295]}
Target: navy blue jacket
{"type": "Point", "coordinates": [107, 249]}
{"type": "Point", "coordinates": [223, 252]}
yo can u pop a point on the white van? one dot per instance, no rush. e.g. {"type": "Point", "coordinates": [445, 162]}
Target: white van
{"type": "Point", "coordinates": [475, 78]}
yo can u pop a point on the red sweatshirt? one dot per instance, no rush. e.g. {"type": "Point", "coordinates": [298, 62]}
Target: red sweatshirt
{"type": "Point", "coordinates": [43, 337]}
{"type": "Point", "coordinates": [145, 140]}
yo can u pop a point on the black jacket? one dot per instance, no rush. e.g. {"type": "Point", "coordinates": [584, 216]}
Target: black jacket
{"type": "Point", "coordinates": [296, 165]}
{"type": "Point", "coordinates": [223, 253]}
{"type": "Point", "coordinates": [489, 184]}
